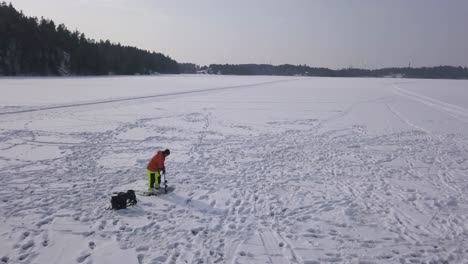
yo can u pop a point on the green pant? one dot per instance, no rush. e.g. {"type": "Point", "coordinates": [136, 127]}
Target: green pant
{"type": "Point", "coordinates": [153, 176]}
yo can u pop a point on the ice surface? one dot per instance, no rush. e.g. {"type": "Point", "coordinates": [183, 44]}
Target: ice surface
{"type": "Point", "coordinates": [265, 170]}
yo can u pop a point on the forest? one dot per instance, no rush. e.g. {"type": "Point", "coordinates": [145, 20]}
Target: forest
{"type": "Point", "coordinates": [32, 46]}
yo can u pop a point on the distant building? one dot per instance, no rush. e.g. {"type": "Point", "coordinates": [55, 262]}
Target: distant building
{"type": "Point", "coordinates": [205, 71]}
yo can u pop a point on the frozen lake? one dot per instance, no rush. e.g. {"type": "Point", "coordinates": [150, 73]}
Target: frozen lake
{"type": "Point", "coordinates": [265, 170]}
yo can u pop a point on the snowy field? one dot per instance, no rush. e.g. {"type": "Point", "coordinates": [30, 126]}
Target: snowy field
{"type": "Point", "coordinates": [265, 170]}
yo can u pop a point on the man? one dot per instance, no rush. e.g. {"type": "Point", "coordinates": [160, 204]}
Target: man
{"type": "Point", "coordinates": [154, 169]}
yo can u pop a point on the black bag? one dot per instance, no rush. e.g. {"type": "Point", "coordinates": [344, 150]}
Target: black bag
{"type": "Point", "coordinates": [131, 197]}
{"type": "Point", "coordinates": [120, 200]}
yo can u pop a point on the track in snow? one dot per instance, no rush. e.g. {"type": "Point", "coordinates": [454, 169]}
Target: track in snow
{"type": "Point", "coordinates": [140, 97]}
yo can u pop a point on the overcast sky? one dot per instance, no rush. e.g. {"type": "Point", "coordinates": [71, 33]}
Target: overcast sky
{"type": "Point", "coordinates": [322, 33]}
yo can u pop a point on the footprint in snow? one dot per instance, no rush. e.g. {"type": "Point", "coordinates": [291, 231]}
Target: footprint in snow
{"type": "Point", "coordinates": [142, 248]}
{"type": "Point", "coordinates": [27, 245]}
{"type": "Point", "coordinates": [23, 257]}
{"type": "Point", "coordinates": [92, 245]}
{"type": "Point", "coordinates": [140, 258]}
{"type": "Point", "coordinates": [102, 225]}
{"type": "Point", "coordinates": [45, 243]}
{"type": "Point", "coordinates": [24, 235]}
{"type": "Point", "coordinates": [83, 257]}
{"type": "Point", "coordinates": [385, 256]}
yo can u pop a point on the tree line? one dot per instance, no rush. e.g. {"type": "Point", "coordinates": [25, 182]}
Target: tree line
{"type": "Point", "coordinates": [439, 72]}
{"type": "Point", "coordinates": [32, 46]}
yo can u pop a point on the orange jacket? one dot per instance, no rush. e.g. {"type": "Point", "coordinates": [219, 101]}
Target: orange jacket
{"type": "Point", "coordinates": [157, 162]}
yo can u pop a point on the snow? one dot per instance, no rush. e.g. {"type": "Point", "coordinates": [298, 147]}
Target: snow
{"type": "Point", "coordinates": [265, 170]}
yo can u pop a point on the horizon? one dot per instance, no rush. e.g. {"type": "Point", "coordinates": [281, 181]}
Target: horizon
{"type": "Point", "coordinates": [433, 42]}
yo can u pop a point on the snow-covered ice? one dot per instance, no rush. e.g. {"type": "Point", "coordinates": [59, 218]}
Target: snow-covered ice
{"type": "Point", "coordinates": [265, 170]}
